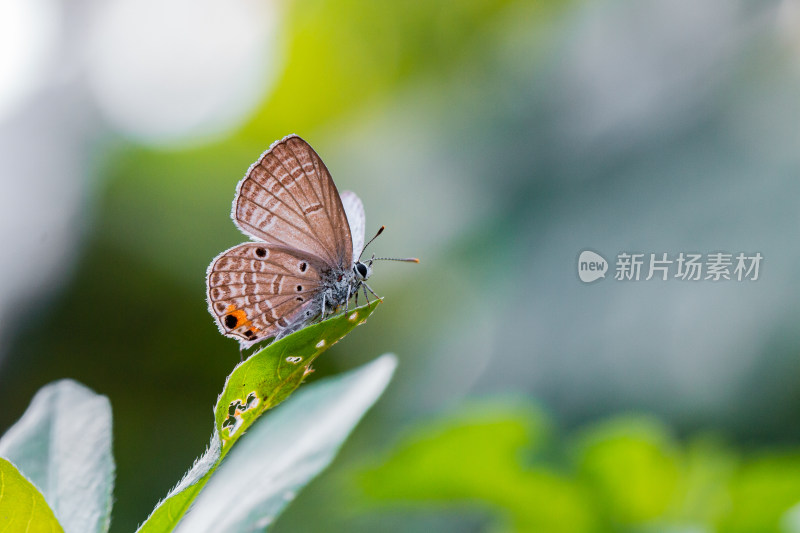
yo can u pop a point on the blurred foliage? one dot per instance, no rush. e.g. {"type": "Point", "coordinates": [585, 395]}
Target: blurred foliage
{"type": "Point", "coordinates": [132, 323]}
{"type": "Point", "coordinates": [341, 55]}
{"type": "Point", "coordinates": [625, 474]}
{"type": "Point", "coordinates": [477, 457]}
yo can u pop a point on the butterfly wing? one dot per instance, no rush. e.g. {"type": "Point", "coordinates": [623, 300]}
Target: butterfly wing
{"type": "Point", "coordinates": [259, 290]}
{"type": "Point", "coordinates": [354, 210]}
{"type": "Point", "coordinates": [288, 198]}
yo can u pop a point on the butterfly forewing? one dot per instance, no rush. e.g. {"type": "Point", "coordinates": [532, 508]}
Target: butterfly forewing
{"type": "Point", "coordinates": [288, 198]}
{"type": "Point", "coordinates": [260, 290]}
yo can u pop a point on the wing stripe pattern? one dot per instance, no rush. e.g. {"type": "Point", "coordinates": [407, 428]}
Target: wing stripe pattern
{"type": "Point", "coordinates": [260, 290]}
{"type": "Point", "coordinates": [266, 220]}
{"type": "Point", "coordinates": [288, 197]}
{"type": "Point", "coordinates": [297, 172]}
{"type": "Point", "coordinates": [316, 188]}
{"type": "Point", "coordinates": [287, 156]}
{"type": "Point", "coordinates": [273, 166]}
{"type": "Point", "coordinates": [342, 240]}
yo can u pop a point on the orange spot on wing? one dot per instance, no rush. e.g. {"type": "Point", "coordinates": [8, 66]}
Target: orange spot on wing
{"type": "Point", "coordinates": [241, 318]}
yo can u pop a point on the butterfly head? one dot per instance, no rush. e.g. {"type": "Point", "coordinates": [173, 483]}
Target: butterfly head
{"type": "Point", "coordinates": [362, 270]}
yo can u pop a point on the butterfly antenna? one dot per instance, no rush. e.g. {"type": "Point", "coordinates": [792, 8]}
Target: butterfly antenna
{"type": "Point", "coordinates": [404, 259]}
{"type": "Point", "coordinates": [370, 241]}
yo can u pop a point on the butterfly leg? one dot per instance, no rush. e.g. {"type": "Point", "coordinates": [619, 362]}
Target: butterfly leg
{"type": "Point", "coordinates": [323, 306]}
{"type": "Point", "coordinates": [347, 301]}
{"type": "Point", "coordinates": [364, 286]}
{"type": "Point", "coordinates": [241, 354]}
{"type": "Point", "coordinates": [370, 290]}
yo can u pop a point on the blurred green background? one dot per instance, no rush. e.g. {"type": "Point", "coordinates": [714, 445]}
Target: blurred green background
{"type": "Point", "coordinates": [495, 140]}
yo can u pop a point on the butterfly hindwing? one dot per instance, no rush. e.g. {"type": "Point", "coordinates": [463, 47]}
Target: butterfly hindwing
{"type": "Point", "coordinates": [288, 198]}
{"type": "Point", "coordinates": [261, 290]}
{"type": "Point", "coordinates": [354, 210]}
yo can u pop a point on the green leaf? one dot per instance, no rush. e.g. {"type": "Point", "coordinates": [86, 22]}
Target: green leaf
{"type": "Point", "coordinates": [476, 456]}
{"type": "Point", "coordinates": [22, 506]}
{"type": "Point", "coordinates": [634, 466]}
{"type": "Point", "coordinates": [63, 445]}
{"type": "Point", "coordinates": [761, 494]}
{"type": "Point", "coordinates": [267, 378]}
{"type": "Point", "coordinates": [256, 385]}
{"type": "Point", "coordinates": [285, 451]}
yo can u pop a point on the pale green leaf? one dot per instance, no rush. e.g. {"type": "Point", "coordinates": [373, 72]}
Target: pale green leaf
{"type": "Point", "coordinates": [62, 444]}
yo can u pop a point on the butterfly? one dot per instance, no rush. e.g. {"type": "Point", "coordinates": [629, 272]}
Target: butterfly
{"type": "Point", "coordinates": [305, 258]}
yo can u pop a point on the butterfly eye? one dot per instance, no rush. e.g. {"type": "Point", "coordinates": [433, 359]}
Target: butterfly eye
{"type": "Point", "coordinates": [362, 270]}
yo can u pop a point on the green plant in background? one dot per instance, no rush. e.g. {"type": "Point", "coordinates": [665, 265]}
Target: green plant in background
{"type": "Point", "coordinates": [625, 474]}
{"type": "Point", "coordinates": [58, 470]}
{"type": "Point", "coordinates": [475, 457]}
